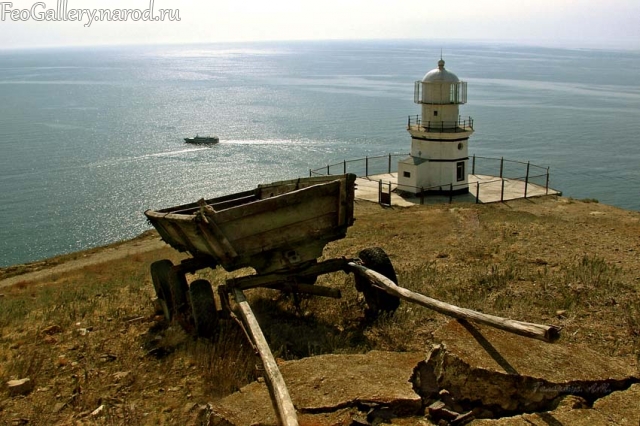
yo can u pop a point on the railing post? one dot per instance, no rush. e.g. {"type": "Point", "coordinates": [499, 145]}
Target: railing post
{"type": "Point", "coordinates": [389, 163]}
{"type": "Point", "coordinates": [501, 166]}
{"type": "Point", "coordinates": [380, 191]}
{"type": "Point", "coordinates": [473, 165]}
{"type": "Point", "coordinates": [450, 193]}
{"type": "Point", "coordinates": [421, 195]}
{"type": "Point", "coordinates": [546, 187]}
{"type": "Point", "coordinates": [477, 192]}
{"type": "Point", "coordinates": [502, 192]}
{"type": "Point", "coordinates": [309, 172]}
{"type": "Point", "coordinates": [366, 166]}
{"type": "Point", "coordinates": [526, 180]}
{"type": "Point", "coordinates": [344, 168]}
{"type": "Point", "coordinates": [328, 170]}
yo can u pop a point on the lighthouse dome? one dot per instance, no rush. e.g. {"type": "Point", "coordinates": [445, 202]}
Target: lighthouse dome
{"type": "Point", "coordinates": [440, 75]}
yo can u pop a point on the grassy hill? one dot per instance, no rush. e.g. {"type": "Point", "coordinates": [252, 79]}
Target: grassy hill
{"type": "Point", "coordinates": [83, 327]}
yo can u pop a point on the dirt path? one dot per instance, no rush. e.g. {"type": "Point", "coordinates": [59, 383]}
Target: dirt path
{"type": "Point", "coordinates": [40, 270]}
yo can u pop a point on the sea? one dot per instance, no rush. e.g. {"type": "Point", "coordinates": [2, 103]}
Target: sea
{"type": "Point", "coordinates": [91, 137]}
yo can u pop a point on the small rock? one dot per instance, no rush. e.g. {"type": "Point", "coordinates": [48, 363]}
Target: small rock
{"type": "Point", "coordinates": [20, 387]}
{"type": "Point", "coordinates": [108, 357]}
{"type": "Point", "coordinates": [1, 295]}
{"type": "Point", "coordinates": [561, 313]}
{"type": "Point", "coordinates": [59, 407]}
{"type": "Point", "coordinates": [52, 329]}
{"type": "Point", "coordinates": [570, 402]}
{"type": "Point", "coordinates": [463, 419]}
{"type": "Point", "coordinates": [98, 411]}
{"type": "Point", "coordinates": [439, 410]}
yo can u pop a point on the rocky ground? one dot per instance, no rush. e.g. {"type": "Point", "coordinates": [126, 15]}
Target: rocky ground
{"type": "Point", "coordinates": [80, 342]}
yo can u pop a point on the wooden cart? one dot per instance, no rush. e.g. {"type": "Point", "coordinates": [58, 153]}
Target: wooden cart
{"type": "Point", "coordinates": [279, 230]}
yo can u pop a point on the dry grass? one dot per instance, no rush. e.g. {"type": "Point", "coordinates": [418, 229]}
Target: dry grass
{"type": "Point", "coordinates": [549, 261]}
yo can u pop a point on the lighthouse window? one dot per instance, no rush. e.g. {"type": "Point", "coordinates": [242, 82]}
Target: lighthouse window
{"type": "Point", "coordinates": [460, 171]}
{"type": "Point", "coordinates": [406, 174]}
{"type": "Point", "coordinates": [435, 113]}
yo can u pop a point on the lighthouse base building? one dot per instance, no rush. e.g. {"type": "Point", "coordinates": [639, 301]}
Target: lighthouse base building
{"type": "Point", "coordinates": [439, 137]}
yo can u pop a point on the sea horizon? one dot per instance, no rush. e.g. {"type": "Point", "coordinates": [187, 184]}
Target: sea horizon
{"type": "Point", "coordinates": [93, 136]}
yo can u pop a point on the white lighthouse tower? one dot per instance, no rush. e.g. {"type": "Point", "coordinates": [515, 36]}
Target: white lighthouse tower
{"type": "Point", "coordinates": [439, 137]}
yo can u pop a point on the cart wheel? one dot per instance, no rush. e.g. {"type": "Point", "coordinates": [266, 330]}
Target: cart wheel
{"type": "Point", "coordinates": [203, 308]}
{"type": "Point", "coordinates": [179, 295]}
{"type": "Point", "coordinates": [160, 273]}
{"type": "Point", "coordinates": [377, 300]}
{"type": "Point", "coordinates": [179, 289]}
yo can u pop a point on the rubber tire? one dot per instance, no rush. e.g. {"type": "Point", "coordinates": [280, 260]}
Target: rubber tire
{"type": "Point", "coordinates": [179, 292]}
{"type": "Point", "coordinates": [377, 300]}
{"type": "Point", "coordinates": [203, 309]}
{"type": "Point", "coordinates": [160, 274]}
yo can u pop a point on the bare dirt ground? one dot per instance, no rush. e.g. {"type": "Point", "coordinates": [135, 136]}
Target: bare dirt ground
{"type": "Point", "coordinates": [83, 327]}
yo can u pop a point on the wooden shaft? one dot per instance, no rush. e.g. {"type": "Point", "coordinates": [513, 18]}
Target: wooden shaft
{"type": "Point", "coordinates": [547, 333]}
{"type": "Point", "coordinates": [280, 398]}
{"type": "Point", "coordinates": [315, 290]}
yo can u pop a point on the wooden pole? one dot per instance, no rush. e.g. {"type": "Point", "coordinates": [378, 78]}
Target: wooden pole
{"type": "Point", "coordinates": [546, 333]}
{"type": "Point", "coordinates": [280, 398]}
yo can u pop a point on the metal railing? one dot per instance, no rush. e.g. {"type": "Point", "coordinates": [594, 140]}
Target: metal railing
{"type": "Point", "coordinates": [499, 169]}
{"type": "Point", "coordinates": [461, 125]}
{"type": "Point", "coordinates": [366, 166]}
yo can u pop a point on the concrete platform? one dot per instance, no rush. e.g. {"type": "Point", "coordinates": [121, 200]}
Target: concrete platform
{"type": "Point", "coordinates": [482, 189]}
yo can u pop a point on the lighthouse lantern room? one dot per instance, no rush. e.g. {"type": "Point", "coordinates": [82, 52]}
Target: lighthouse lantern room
{"type": "Point", "coordinates": [439, 137]}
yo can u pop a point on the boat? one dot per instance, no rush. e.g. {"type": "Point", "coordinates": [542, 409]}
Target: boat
{"type": "Point", "coordinates": [203, 140]}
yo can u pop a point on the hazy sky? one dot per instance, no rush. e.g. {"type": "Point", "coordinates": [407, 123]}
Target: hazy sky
{"type": "Point", "coordinates": [571, 23]}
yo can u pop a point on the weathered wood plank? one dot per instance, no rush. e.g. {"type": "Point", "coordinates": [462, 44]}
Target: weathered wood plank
{"type": "Point", "coordinates": [253, 281]}
{"type": "Point", "coordinates": [547, 333]}
{"type": "Point", "coordinates": [316, 290]}
{"type": "Point", "coordinates": [306, 195]}
{"type": "Point", "coordinates": [209, 218]}
{"type": "Point", "coordinates": [280, 398]}
{"type": "Point", "coordinates": [270, 220]}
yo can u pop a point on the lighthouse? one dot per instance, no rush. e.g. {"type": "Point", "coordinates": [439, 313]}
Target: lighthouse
{"type": "Point", "coordinates": [439, 137]}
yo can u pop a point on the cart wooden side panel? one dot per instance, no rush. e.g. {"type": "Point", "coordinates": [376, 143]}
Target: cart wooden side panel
{"type": "Point", "coordinates": [279, 225]}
